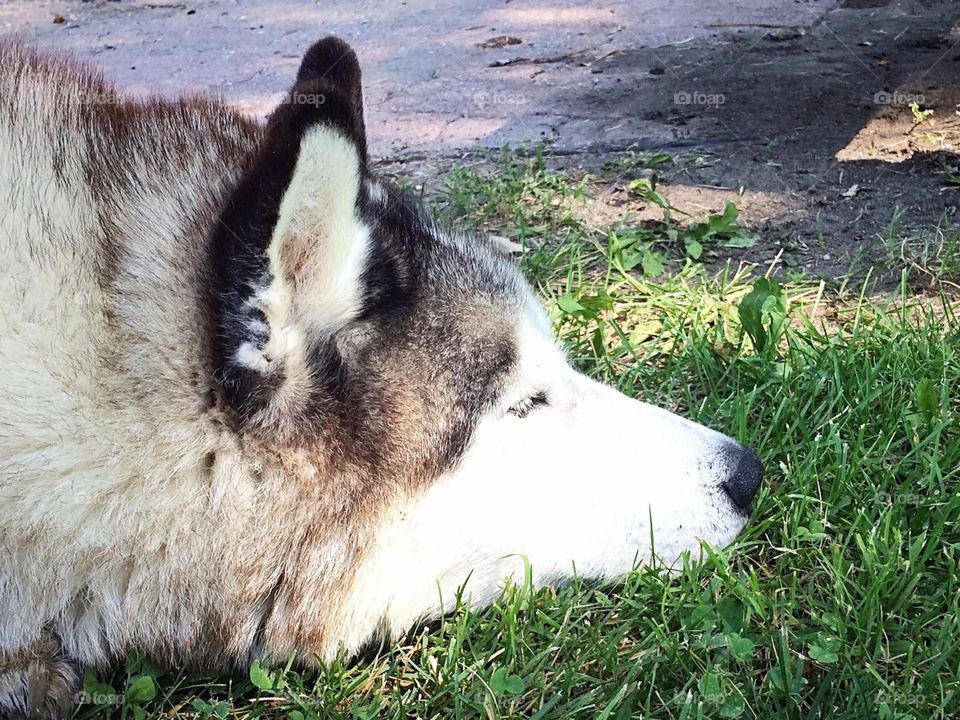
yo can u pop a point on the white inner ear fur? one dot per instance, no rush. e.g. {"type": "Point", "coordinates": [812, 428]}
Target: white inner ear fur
{"type": "Point", "coordinates": [316, 255]}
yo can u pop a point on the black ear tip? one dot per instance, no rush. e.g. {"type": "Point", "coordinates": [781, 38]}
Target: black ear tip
{"type": "Point", "coordinates": [328, 90]}
{"type": "Point", "coordinates": [333, 60]}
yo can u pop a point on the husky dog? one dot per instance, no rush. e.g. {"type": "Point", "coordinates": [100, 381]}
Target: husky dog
{"type": "Point", "coordinates": [253, 400]}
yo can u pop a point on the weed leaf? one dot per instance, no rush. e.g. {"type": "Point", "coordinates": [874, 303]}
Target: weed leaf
{"type": "Point", "coordinates": [141, 689]}
{"type": "Point", "coordinates": [502, 682]}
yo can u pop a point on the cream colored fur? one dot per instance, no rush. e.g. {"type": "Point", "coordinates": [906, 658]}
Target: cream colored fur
{"type": "Point", "coordinates": [135, 514]}
{"type": "Point", "coordinates": [150, 524]}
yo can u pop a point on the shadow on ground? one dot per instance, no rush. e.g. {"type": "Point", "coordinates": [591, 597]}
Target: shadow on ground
{"type": "Point", "coordinates": [829, 138]}
{"type": "Point", "coordinates": [801, 112]}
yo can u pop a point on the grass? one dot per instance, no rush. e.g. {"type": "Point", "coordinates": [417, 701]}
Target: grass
{"type": "Point", "coordinates": [933, 255]}
{"type": "Point", "coordinates": [841, 598]}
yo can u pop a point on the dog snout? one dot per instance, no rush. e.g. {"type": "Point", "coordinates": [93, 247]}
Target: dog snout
{"type": "Point", "coordinates": [744, 480]}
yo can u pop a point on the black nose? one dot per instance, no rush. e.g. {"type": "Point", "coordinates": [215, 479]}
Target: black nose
{"type": "Point", "coordinates": [744, 481]}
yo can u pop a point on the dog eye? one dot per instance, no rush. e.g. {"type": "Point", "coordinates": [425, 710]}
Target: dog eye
{"type": "Point", "coordinates": [523, 408]}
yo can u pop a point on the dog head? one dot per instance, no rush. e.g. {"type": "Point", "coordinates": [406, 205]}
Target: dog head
{"type": "Point", "coordinates": [417, 372]}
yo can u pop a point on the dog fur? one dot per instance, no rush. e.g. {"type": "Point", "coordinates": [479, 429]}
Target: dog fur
{"type": "Point", "coordinates": [249, 392]}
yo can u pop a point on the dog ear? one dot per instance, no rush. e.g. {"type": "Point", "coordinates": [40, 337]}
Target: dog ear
{"type": "Point", "coordinates": [331, 61]}
{"type": "Point", "coordinates": [290, 248]}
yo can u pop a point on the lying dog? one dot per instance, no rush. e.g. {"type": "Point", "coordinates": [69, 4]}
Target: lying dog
{"type": "Point", "coordinates": [253, 400]}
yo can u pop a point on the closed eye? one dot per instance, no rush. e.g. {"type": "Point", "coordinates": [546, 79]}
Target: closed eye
{"type": "Point", "coordinates": [523, 408]}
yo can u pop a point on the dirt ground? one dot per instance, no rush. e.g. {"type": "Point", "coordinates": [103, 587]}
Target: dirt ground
{"type": "Point", "coordinates": [816, 131]}
{"type": "Point", "coordinates": [821, 119]}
